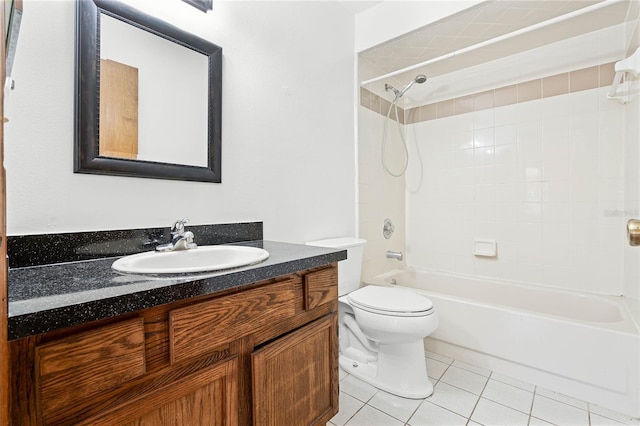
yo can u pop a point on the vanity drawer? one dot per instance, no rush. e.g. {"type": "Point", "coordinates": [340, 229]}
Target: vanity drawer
{"type": "Point", "coordinates": [195, 330]}
{"type": "Point", "coordinates": [83, 365]}
{"type": "Point", "coordinates": [320, 287]}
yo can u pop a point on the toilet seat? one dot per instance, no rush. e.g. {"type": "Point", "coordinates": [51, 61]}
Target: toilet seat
{"type": "Point", "coordinates": [391, 301]}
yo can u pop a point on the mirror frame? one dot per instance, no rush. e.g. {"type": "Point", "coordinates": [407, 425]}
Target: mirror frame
{"type": "Point", "coordinates": [203, 5]}
{"type": "Point", "coordinates": [87, 157]}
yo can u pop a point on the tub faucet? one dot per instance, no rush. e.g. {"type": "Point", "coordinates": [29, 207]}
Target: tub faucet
{"type": "Point", "coordinates": [180, 239]}
{"type": "Point", "coordinates": [394, 255]}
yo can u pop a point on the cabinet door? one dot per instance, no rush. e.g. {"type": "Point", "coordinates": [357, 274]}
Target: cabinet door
{"type": "Point", "coordinates": [206, 398]}
{"type": "Point", "coordinates": [295, 378]}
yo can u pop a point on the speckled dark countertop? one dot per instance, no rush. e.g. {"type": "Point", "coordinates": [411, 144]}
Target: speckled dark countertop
{"type": "Point", "coordinates": [47, 297]}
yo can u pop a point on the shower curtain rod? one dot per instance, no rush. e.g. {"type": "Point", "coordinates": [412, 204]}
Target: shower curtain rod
{"type": "Point", "coordinates": [494, 40]}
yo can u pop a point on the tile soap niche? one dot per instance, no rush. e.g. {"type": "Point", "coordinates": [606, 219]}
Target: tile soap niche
{"type": "Point", "coordinates": [485, 248]}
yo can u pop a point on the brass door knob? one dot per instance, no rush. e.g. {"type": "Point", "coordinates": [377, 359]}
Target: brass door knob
{"type": "Point", "coordinates": [633, 232]}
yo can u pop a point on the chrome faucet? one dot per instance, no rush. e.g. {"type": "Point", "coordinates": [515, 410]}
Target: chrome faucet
{"type": "Point", "coordinates": [394, 255]}
{"type": "Point", "coordinates": [180, 239]}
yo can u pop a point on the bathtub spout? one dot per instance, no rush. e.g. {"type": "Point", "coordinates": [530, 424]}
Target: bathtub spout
{"type": "Point", "coordinates": [394, 255]}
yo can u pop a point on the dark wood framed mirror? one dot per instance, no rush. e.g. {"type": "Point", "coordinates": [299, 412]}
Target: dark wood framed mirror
{"type": "Point", "coordinates": [170, 123]}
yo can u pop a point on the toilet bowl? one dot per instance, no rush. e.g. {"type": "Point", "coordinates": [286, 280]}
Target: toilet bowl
{"type": "Point", "coordinates": [381, 329]}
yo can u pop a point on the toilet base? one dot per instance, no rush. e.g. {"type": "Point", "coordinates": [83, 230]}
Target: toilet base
{"type": "Point", "coordinates": [399, 369]}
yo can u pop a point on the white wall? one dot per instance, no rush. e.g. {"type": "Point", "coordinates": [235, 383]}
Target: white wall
{"type": "Point", "coordinates": [287, 126]}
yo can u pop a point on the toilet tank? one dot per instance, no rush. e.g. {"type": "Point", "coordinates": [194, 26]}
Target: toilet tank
{"type": "Point", "coordinates": [349, 270]}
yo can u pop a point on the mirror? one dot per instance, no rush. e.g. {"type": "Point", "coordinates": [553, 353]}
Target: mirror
{"type": "Point", "coordinates": [203, 5]}
{"type": "Point", "coordinates": [148, 97]}
{"type": "Point", "coordinates": [12, 21]}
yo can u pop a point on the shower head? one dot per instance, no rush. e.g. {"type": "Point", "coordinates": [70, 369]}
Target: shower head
{"type": "Point", "coordinates": [420, 78]}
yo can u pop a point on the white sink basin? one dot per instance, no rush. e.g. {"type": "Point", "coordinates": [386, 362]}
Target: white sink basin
{"type": "Point", "coordinates": [200, 259]}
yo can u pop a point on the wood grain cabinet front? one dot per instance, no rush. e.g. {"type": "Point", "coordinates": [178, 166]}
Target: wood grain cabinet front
{"type": "Point", "coordinates": [295, 378]}
{"type": "Point", "coordinates": [263, 355]}
{"type": "Point", "coordinates": [198, 328]}
{"type": "Point", "coordinates": [320, 287]}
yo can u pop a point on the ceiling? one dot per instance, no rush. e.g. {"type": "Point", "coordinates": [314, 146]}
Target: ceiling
{"type": "Point", "coordinates": [480, 23]}
{"type": "Point", "coordinates": [356, 6]}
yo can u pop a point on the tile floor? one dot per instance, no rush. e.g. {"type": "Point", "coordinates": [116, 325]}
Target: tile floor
{"type": "Point", "coordinates": [467, 395]}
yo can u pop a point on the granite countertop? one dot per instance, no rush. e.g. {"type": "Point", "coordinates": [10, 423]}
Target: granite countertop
{"type": "Point", "coordinates": [48, 297]}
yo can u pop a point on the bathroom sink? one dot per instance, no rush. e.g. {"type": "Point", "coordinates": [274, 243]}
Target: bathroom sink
{"type": "Point", "coordinates": [200, 259]}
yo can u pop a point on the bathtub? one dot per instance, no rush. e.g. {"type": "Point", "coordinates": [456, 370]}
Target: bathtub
{"type": "Point", "coordinates": [580, 345]}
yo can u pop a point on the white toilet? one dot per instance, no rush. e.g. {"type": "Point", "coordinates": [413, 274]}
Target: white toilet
{"type": "Point", "coordinates": [381, 328]}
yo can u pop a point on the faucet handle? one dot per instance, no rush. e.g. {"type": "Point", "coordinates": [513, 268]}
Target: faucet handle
{"type": "Point", "coordinates": [178, 226]}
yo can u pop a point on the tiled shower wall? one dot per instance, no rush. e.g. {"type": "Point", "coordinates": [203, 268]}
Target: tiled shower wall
{"type": "Point", "coordinates": [543, 177]}
{"type": "Point", "coordinates": [537, 167]}
{"type": "Point", "coordinates": [632, 167]}
{"type": "Point", "coordinates": [381, 196]}
{"type": "Point", "coordinates": [632, 194]}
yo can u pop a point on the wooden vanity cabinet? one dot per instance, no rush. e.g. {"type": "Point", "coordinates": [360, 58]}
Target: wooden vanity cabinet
{"type": "Point", "coordinates": [265, 355]}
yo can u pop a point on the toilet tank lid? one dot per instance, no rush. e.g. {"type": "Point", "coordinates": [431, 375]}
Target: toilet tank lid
{"type": "Point", "coordinates": [343, 242]}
